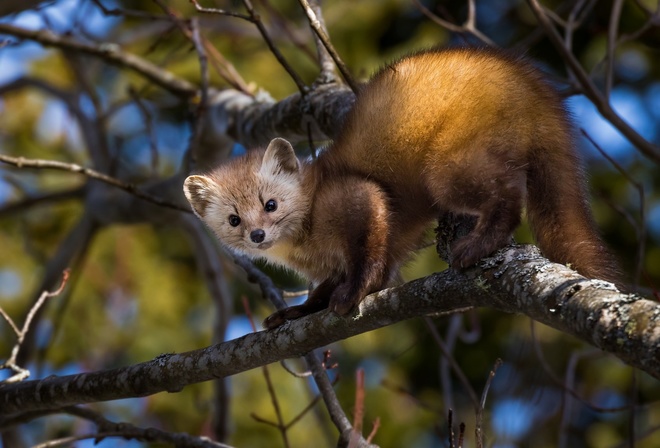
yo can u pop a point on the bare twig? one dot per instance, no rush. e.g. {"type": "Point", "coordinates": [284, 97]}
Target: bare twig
{"type": "Point", "coordinates": [569, 383]}
{"type": "Point", "coordinates": [222, 12]}
{"type": "Point", "coordinates": [221, 65]}
{"type": "Point", "coordinates": [612, 32]}
{"type": "Point", "coordinates": [324, 363]}
{"type": "Point", "coordinates": [450, 427]}
{"type": "Point", "coordinates": [256, 19]}
{"type": "Point", "coordinates": [128, 12]}
{"type": "Point", "coordinates": [46, 198]}
{"type": "Point", "coordinates": [638, 225]}
{"type": "Point", "coordinates": [283, 24]}
{"type": "Point", "coordinates": [564, 384]}
{"type": "Point", "coordinates": [22, 162]}
{"type": "Point", "coordinates": [22, 373]}
{"type": "Point", "coordinates": [358, 409]}
{"type": "Point", "coordinates": [149, 128]}
{"type": "Point", "coordinates": [374, 430]}
{"type": "Point", "coordinates": [452, 362]}
{"type": "Point", "coordinates": [202, 108]}
{"type": "Point", "coordinates": [478, 428]}
{"type": "Point", "coordinates": [129, 431]}
{"type": "Point", "coordinates": [321, 33]}
{"type": "Point", "coordinates": [468, 27]}
{"type": "Point", "coordinates": [280, 425]}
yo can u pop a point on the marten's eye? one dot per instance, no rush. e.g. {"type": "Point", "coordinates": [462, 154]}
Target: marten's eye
{"type": "Point", "coordinates": [271, 205]}
{"type": "Point", "coordinates": [234, 220]}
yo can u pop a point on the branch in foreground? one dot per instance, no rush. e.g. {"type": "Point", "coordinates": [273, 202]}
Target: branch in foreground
{"type": "Point", "coordinates": [517, 279]}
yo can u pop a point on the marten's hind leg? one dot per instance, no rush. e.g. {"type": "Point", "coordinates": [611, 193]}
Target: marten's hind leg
{"type": "Point", "coordinates": [495, 224]}
{"type": "Point", "coordinates": [493, 192]}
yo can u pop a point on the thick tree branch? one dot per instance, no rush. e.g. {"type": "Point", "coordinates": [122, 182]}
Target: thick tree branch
{"type": "Point", "coordinates": [516, 280]}
{"type": "Point", "coordinates": [255, 121]}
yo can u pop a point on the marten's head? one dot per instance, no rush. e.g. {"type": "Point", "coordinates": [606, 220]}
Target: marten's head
{"type": "Point", "coordinates": [254, 201]}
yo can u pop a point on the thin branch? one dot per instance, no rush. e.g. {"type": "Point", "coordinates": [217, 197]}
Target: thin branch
{"type": "Point", "coordinates": [222, 12]}
{"type": "Point", "coordinates": [478, 427]}
{"type": "Point", "coordinates": [22, 373]}
{"type": "Point", "coordinates": [221, 65]}
{"type": "Point", "coordinates": [128, 12]}
{"type": "Point", "coordinates": [130, 431]}
{"type": "Point", "coordinates": [318, 369]}
{"type": "Point", "coordinates": [149, 128]}
{"type": "Point", "coordinates": [612, 32]}
{"type": "Point", "coordinates": [280, 425]}
{"type": "Point", "coordinates": [109, 52]}
{"type": "Point", "coordinates": [564, 385]}
{"type": "Point", "coordinates": [319, 30]}
{"type": "Point", "coordinates": [22, 162]}
{"type": "Point", "coordinates": [199, 120]}
{"type": "Point", "coordinates": [358, 409]}
{"type": "Point", "coordinates": [591, 91]}
{"type": "Point", "coordinates": [469, 27]}
{"type": "Point", "coordinates": [256, 19]}
{"type": "Point", "coordinates": [28, 202]}
{"type": "Point", "coordinates": [91, 132]}
{"type": "Point", "coordinates": [639, 226]}
{"type": "Point", "coordinates": [569, 384]}
{"type": "Point", "coordinates": [452, 362]}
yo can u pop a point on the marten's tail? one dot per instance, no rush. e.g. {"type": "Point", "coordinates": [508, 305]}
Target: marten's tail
{"type": "Point", "coordinates": [559, 212]}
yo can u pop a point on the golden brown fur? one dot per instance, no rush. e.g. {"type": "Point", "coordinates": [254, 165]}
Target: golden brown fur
{"type": "Point", "coordinates": [466, 131]}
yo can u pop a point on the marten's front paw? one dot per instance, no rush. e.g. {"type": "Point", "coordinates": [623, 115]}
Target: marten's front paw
{"type": "Point", "coordinates": [344, 299]}
{"type": "Point", "coordinates": [279, 317]}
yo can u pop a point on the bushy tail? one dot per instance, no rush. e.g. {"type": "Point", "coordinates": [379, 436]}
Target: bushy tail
{"type": "Point", "coordinates": [559, 211]}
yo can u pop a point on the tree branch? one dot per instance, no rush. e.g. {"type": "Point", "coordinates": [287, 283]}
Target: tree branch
{"type": "Point", "coordinates": [590, 90]}
{"type": "Point", "coordinates": [255, 121]}
{"type": "Point", "coordinates": [516, 279]}
{"type": "Point", "coordinates": [22, 162]}
{"type": "Point", "coordinates": [111, 53]}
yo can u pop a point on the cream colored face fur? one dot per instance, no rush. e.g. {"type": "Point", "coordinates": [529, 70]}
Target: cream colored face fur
{"type": "Point", "coordinates": [254, 203]}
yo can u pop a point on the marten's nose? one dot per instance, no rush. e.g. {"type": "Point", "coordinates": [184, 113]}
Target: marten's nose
{"type": "Point", "coordinates": [257, 236]}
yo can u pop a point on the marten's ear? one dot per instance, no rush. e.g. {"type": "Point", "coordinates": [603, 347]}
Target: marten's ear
{"type": "Point", "coordinates": [198, 191]}
{"type": "Point", "coordinates": [279, 157]}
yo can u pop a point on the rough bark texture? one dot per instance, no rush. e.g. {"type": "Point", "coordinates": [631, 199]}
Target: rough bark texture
{"type": "Point", "coordinates": [254, 121]}
{"type": "Point", "coordinates": [517, 279]}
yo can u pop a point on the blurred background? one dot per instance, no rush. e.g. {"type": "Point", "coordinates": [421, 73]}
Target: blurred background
{"type": "Point", "coordinates": [137, 289]}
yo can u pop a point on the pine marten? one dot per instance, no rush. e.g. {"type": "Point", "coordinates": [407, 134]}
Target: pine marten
{"type": "Point", "coordinates": [461, 130]}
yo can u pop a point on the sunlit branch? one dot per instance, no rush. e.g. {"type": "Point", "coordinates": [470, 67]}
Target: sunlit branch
{"type": "Point", "coordinates": [319, 29]}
